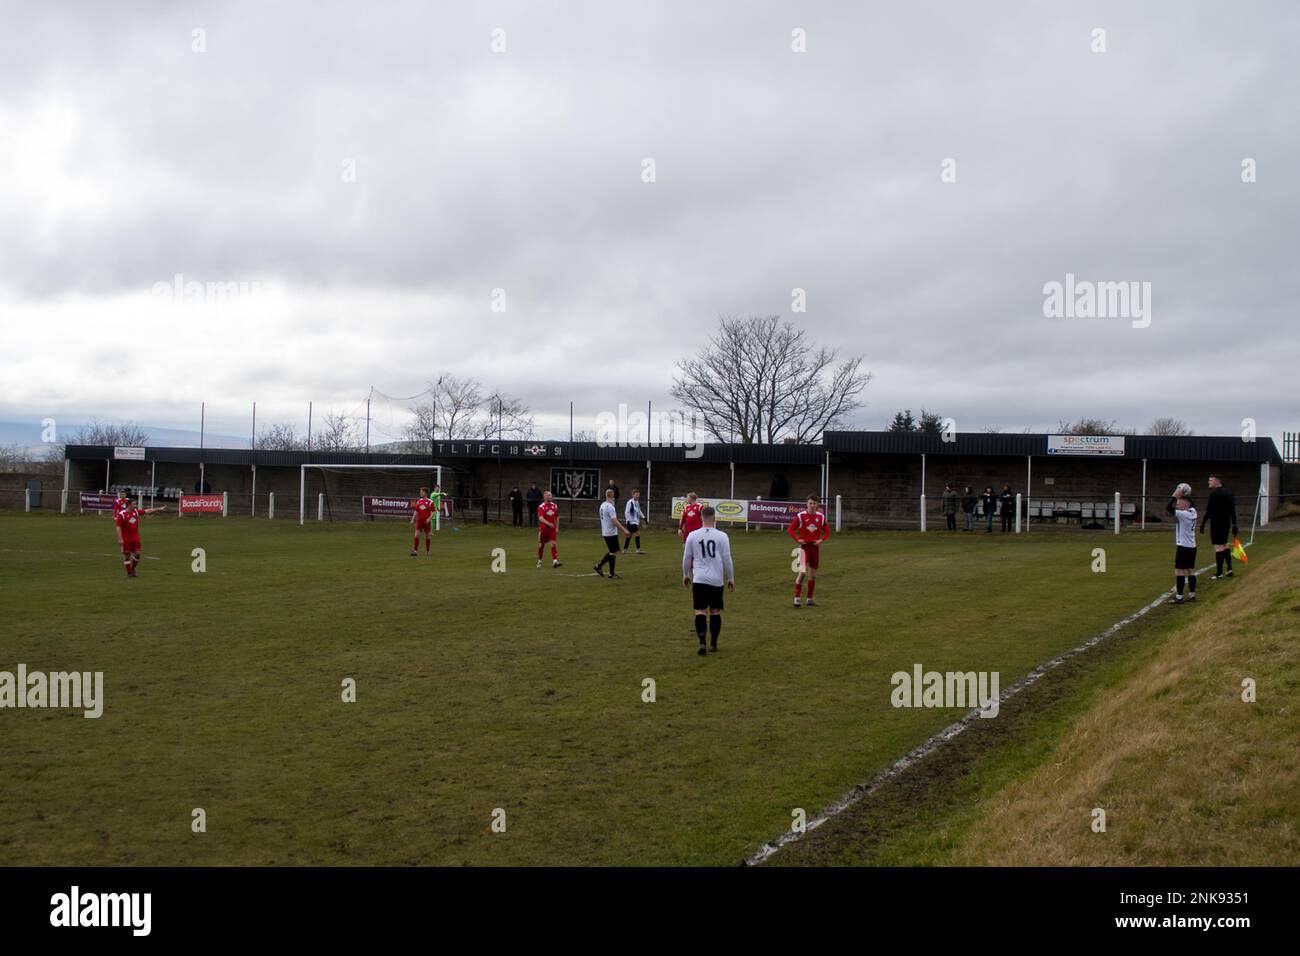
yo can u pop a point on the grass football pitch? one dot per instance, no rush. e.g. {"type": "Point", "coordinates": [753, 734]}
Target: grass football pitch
{"type": "Point", "coordinates": [479, 691]}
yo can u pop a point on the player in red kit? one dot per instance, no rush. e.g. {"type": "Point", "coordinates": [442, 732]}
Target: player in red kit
{"type": "Point", "coordinates": [691, 519]}
{"type": "Point", "coordinates": [809, 529]}
{"type": "Point", "coordinates": [548, 529]}
{"type": "Point", "coordinates": [422, 518]}
{"type": "Point", "coordinates": [127, 520]}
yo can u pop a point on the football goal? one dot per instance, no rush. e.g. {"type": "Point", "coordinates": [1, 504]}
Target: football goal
{"type": "Point", "coordinates": [355, 492]}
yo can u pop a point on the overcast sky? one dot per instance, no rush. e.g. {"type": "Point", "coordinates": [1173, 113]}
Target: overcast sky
{"type": "Point", "coordinates": [128, 157]}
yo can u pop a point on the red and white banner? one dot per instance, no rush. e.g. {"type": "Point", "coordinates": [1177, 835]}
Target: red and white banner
{"type": "Point", "coordinates": [202, 504]}
{"type": "Point", "coordinates": [93, 502]}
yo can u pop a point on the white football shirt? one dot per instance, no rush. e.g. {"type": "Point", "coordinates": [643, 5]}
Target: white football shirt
{"type": "Point", "coordinates": [706, 557]}
{"type": "Point", "coordinates": [607, 517]}
{"type": "Point", "coordinates": [1185, 528]}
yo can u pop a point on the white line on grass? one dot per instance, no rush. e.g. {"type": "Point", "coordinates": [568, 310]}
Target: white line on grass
{"type": "Point", "coordinates": [866, 789]}
{"type": "Point", "coordinates": [78, 554]}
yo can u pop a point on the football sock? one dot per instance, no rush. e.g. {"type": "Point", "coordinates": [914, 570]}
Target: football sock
{"type": "Point", "coordinates": [555, 553]}
{"type": "Point", "coordinates": [811, 584]}
{"type": "Point", "coordinates": [426, 544]}
{"type": "Point", "coordinates": [1179, 583]}
{"type": "Point", "coordinates": [1227, 560]}
{"type": "Point", "coordinates": [611, 563]}
{"type": "Point", "coordinates": [638, 542]}
{"type": "Point", "coordinates": [715, 625]}
{"type": "Point", "coordinates": [798, 588]}
{"type": "Point", "coordinates": [540, 548]}
{"type": "Point", "coordinates": [415, 543]}
{"type": "Point", "coordinates": [126, 563]}
{"type": "Point", "coordinates": [1218, 562]}
{"type": "Point", "coordinates": [1191, 583]}
{"type": "Point", "coordinates": [699, 627]}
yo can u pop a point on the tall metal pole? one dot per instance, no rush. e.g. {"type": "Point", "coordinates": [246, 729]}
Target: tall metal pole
{"type": "Point", "coordinates": [570, 421]}
{"type": "Point", "coordinates": [203, 409]}
{"type": "Point", "coordinates": [253, 442]}
{"type": "Point", "coordinates": [308, 429]}
{"type": "Point", "coordinates": [372, 392]}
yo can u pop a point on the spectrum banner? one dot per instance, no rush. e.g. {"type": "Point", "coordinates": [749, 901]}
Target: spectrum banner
{"type": "Point", "coordinates": [93, 502]}
{"type": "Point", "coordinates": [202, 504]}
{"type": "Point", "coordinates": [1085, 444]}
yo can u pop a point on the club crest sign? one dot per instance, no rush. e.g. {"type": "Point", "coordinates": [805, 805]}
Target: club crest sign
{"type": "Point", "coordinates": [575, 482]}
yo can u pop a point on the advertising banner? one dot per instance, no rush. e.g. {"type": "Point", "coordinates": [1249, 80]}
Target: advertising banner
{"type": "Point", "coordinates": [93, 502]}
{"type": "Point", "coordinates": [774, 512]}
{"type": "Point", "coordinates": [387, 507]}
{"type": "Point", "coordinates": [1085, 444]}
{"type": "Point", "coordinates": [127, 453]}
{"type": "Point", "coordinates": [728, 509]}
{"type": "Point", "coordinates": [201, 504]}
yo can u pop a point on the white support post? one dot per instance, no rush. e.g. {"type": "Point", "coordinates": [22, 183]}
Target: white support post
{"type": "Point", "coordinates": [252, 509]}
{"type": "Point", "coordinates": [302, 494]}
{"type": "Point", "coordinates": [27, 499]}
{"type": "Point", "coordinates": [67, 471]}
{"type": "Point", "coordinates": [1144, 494]}
{"type": "Point", "coordinates": [153, 485]}
{"type": "Point", "coordinates": [923, 511]}
{"type": "Point", "coordinates": [270, 505]}
{"type": "Point", "coordinates": [1029, 491]}
{"type": "Point", "coordinates": [1117, 512]}
{"type": "Point", "coordinates": [1263, 494]}
{"type": "Point", "coordinates": [139, 499]}
{"type": "Point", "coordinates": [320, 507]}
{"type": "Point", "coordinates": [1017, 512]}
{"type": "Point", "coordinates": [63, 505]}
{"type": "Point", "coordinates": [225, 504]}
{"type": "Point", "coordinates": [838, 502]}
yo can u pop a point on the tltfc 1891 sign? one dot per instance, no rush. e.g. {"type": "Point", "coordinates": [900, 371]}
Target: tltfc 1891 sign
{"type": "Point", "coordinates": [575, 482]}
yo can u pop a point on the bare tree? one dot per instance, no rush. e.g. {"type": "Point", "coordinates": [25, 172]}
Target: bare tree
{"type": "Point", "coordinates": [97, 433]}
{"type": "Point", "coordinates": [1169, 426]}
{"type": "Point", "coordinates": [450, 413]}
{"type": "Point", "coordinates": [15, 454]}
{"type": "Point", "coordinates": [759, 379]}
{"type": "Point", "coordinates": [280, 437]}
{"type": "Point", "coordinates": [339, 433]}
{"type": "Point", "coordinates": [506, 418]}
{"type": "Point", "coordinates": [1086, 426]}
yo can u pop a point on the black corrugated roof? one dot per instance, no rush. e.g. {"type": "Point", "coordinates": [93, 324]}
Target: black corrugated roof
{"type": "Point", "coordinates": [1151, 447]}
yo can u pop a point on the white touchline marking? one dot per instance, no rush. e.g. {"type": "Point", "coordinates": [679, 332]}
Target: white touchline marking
{"type": "Point", "coordinates": [949, 732]}
{"type": "Point", "coordinates": [79, 554]}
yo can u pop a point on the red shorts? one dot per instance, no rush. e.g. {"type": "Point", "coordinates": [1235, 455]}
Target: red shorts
{"type": "Point", "coordinates": [130, 544]}
{"type": "Point", "coordinates": [425, 527]}
{"type": "Point", "coordinates": [812, 555]}
{"type": "Point", "coordinates": [545, 534]}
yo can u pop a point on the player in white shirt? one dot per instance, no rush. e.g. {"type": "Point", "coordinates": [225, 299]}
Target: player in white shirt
{"type": "Point", "coordinates": [610, 526]}
{"type": "Point", "coordinates": [706, 567]}
{"type": "Point", "coordinates": [1182, 510]}
{"type": "Point", "coordinates": [634, 517]}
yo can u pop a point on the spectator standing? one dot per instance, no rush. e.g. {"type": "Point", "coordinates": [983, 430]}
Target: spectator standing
{"type": "Point", "coordinates": [1007, 500]}
{"type": "Point", "coordinates": [989, 502]}
{"type": "Point", "coordinates": [968, 500]}
{"type": "Point", "coordinates": [950, 499]}
{"type": "Point", "coordinates": [516, 507]}
{"type": "Point", "coordinates": [534, 497]}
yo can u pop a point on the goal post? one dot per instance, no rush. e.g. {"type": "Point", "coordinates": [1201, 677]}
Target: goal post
{"type": "Point", "coordinates": [435, 470]}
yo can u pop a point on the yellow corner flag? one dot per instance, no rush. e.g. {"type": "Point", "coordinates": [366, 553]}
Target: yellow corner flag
{"type": "Point", "coordinates": [1238, 551]}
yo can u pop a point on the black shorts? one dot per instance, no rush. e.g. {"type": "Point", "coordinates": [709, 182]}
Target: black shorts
{"type": "Point", "coordinates": [611, 542]}
{"type": "Point", "coordinates": [634, 529]}
{"type": "Point", "coordinates": [1184, 559]}
{"type": "Point", "coordinates": [706, 596]}
{"type": "Point", "coordinates": [1219, 531]}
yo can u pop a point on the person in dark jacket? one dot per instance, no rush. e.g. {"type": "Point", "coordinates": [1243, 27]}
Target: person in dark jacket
{"type": "Point", "coordinates": [950, 499]}
{"type": "Point", "coordinates": [989, 502]}
{"type": "Point", "coordinates": [968, 500]}
{"type": "Point", "coordinates": [1221, 515]}
{"type": "Point", "coordinates": [516, 507]}
{"type": "Point", "coordinates": [534, 498]}
{"type": "Point", "coordinates": [1007, 507]}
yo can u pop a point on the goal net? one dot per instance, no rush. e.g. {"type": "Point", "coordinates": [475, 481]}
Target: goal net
{"type": "Point", "coordinates": [365, 492]}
